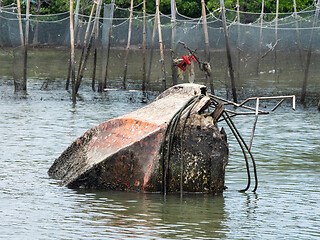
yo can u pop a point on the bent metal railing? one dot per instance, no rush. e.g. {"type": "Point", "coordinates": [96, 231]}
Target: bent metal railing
{"type": "Point", "coordinates": [217, 101]}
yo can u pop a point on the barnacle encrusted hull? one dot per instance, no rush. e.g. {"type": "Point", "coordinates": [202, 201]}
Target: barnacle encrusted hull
{"type": "Point", "coordinates": [123, 153]}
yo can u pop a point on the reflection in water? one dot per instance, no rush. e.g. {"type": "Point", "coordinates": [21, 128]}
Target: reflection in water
{"type": "Point", "coordinates": [35, 130]}
{"type": "Point", "coordinates": [150, 215]}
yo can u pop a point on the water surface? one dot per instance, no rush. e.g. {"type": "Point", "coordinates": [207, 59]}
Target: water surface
{"type": "Point", "coordinates": [37, 127]}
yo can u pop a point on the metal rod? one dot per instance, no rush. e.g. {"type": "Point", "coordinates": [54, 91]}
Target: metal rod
{"type": "Point", "coordinates": [246, 146]}
{"type": "Point", "coordinates": [237, 105]}
{"type": "Point", "coordinates": [265, 98]}
{"type": "Point", "coordinates": [255, 123]}
{"type": "Point", "coordinates": [242, 113]}
{"type": "Point", "coordinates": [235, 134]}
{"type": "Point", "coordinates": [279, 103]}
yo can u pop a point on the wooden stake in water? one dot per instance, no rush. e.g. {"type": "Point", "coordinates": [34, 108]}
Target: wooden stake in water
{"type": "Point", "coordinates": [206, 39]}
{"type": "Point", "coordinates": [124, 80]}
{"type": "Point", "coordinates": [276, 40]}
{"type": "Point", "coordinates": [152, 47]}
{"type": "Point", "coordinates": [95, 49]}
{"type": "Point", "coordinates": [164, 84]}
{"type": "Point", "coordinates": [260, 37]}
{"type": "Point", "coordinates": [231, 71]}
{"type": "Point", "coordinates": [306, 73]}
{"type": "Point", "coordinates": [76, 17]}
{"type": "Point", "coordinates": [25, 54]}
{"type": "Point", "coordinates": [83, 66]}
{"type": "Point", "coordinates": [17, 85]}
{"type": "Point", "coordinates": [84, 48]}
{"type": "Point", "coordinates": [35, 36]}
{"type": "Point", "coordinates": [103, 84]}
{"type": "Point", "coordinates": [144, 46]}
{"type": "Point", "coordinates": [298, 33]}
{"type": "Point", "coordinates": [173, 41]}
{"type": "Point", "coordinates": [74, 100]}
{"type": "Point", "coordinates": [239, 41]}
{"type": "Point", "coordinates": [75, 28]}
{"type": "Point", "coordinates": [20, 25]}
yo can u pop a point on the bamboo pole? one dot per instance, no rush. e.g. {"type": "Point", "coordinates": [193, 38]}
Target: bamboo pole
{"type": "Point", "coordinates": [103, 85]}
{"type": "Point", "coordinates": [76, 17]}
{"type": "Point", "coordinates": [93, 82]}
{"type": "Point", "coordinates": [239, 43]}
{"type": "Point", "coordinates": [144, 40]}
{"type": "Point", "coordinates": [95, 50]}
{"type": "Point", "coordinates": [260, 37]}
{"type": "Point", "coordinates": [124, 80]}
{"type": "Point", "coordinates": [17, 85]}
{"type": "Point", "coordinates": [173, 41]}
{"type": "Point", "coordinates": [84, 48]}
{"type": "Point", "coordinates": [20, 25]}
{"type": "Point", "coordinates": [85, 41]}
{"type": "Point", "coordinates": [152, 47]}
{"type": "Point", "coordinates": [25, 54]}
{"type": "Point", "coordinates": [74, 99]}
{"type": "Point", "coordinates": [35, 37]}
{"type": "Point", "coordinates": [298, 33]}
{"type": "Point", "coordinates": [75, 33]}
{"type": "Point", "coordinates": [306, 73]}
{"type": "Point", "coordinates": [276, 40]}
{"type": "Point", "coordinates": [83, 66]}
{"type": "Point", "coordinates": [231, 71]}
{"type": "Point", "coordinates": [164, 84]}
{"type": "Point", "coordinates": [206, 39]}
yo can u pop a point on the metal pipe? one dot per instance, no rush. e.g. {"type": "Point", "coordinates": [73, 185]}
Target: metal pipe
{"type": "Point", "coordinates": [234, 132]}
{"type": "Point", "coordinates": [255, 123]}
{"type": "Point", "coordinates": [247, 148]}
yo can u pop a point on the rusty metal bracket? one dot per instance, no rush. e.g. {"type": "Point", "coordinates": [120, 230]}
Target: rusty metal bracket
{"type": "Point", "coordinates": [217, 102]}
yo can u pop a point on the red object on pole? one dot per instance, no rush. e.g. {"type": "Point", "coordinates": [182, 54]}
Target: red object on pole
{"type": "Point", "coordinates": [186, 60]}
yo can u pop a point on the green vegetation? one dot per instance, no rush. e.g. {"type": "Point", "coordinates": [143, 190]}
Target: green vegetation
{"type": "Point", "coordinates": [191, 8]}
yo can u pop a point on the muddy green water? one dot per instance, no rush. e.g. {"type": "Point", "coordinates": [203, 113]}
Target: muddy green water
{"type": "Point", "coordinates": [36, 127]}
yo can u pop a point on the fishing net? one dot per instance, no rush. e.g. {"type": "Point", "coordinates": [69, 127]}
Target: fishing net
{"type": "Point", "coordinates": [269, 52]}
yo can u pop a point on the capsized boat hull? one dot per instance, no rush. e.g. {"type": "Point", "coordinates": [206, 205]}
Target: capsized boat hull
{"type": "Point", "coordinates": [123, 153]}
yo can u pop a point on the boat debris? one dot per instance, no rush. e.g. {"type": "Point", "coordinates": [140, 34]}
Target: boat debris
{"type": "Point", "coordinates": [171, 145]}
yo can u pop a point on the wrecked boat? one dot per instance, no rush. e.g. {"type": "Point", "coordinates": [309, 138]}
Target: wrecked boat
{"type": "Point", "coordinates": [150, 149]}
